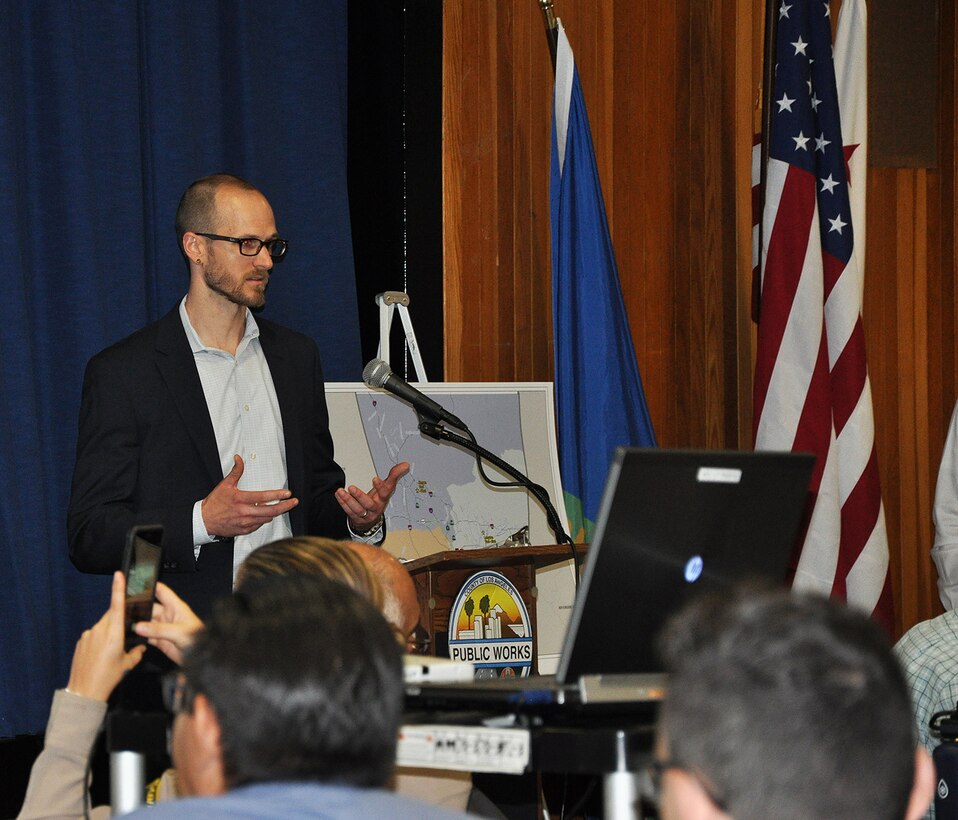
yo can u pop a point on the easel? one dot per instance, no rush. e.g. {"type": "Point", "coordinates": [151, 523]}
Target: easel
{"type": "Point", "coordinates": [389, 302]}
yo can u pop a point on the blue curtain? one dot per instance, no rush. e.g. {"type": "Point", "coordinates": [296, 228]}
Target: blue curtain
{"type": "Point", "coordinates": [108, 109]}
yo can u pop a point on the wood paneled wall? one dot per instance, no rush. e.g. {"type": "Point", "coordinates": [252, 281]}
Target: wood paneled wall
{"type": "Point", "coordinates": [672, 91]}
{"type": "Point", "coordinates": [496, 120]}
{"type": "Point", "coordinates": [669, 93]}
{"type": "Point", "coordinates": [910, 317]}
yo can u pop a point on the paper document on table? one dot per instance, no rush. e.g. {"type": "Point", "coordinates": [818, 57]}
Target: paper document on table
{"type": "Point", "coordinates": [464, 748]}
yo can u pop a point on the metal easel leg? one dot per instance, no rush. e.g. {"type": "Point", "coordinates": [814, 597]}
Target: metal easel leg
{"type": "Point", "coordinates": [389, 302]}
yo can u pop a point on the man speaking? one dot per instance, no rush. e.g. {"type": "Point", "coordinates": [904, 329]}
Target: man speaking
{"type": "Point", "coordinates": [211, 422]}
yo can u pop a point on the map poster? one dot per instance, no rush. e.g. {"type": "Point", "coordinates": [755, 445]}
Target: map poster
{"type": "Point", "coordinates": [443, 502]}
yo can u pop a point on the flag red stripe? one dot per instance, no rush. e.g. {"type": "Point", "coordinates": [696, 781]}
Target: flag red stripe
{"type": "Point", "coordinates": [848, 377]}
{"type": "Point", "coordinates": [859, 516]}
{"type": "Point", "coordinates": [832, 270]}
{"type": "Point", "coordinates": [815, 424]}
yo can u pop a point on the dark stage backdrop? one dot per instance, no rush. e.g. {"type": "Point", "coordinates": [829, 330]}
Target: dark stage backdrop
{"type": "Point", "coordinates": [107, 111]}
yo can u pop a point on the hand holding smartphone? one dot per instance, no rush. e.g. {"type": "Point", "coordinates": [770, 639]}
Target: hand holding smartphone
{"type": "Point", "coordinates": [142, 559]}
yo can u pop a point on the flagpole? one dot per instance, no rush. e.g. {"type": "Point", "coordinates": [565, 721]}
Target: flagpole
{"type": "Point", "coordinates": [552, 28]}
{"type": "Point", "coordinates": [768, 83]}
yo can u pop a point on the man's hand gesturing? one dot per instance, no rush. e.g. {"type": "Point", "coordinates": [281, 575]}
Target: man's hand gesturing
{"type": "Point", "coordinates": [229, 511]}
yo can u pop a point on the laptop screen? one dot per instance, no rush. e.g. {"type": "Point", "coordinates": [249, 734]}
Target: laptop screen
{"type": "Point", "coordinates": [674, 523]}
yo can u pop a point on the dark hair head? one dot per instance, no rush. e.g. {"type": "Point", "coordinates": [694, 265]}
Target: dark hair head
{"type": "Point", "coordinates": [312, 555]}
{"type": "Point", "coordinates": [788, 705]}
{"type": "Point", "coordinates": [305, 678]}
{"type": "Point", "coordinates": [197, 209]}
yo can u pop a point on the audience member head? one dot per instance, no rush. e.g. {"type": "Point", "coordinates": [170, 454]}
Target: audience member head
{"type": "Point", "coordinates": [400, 604]}
{"type": "Point", "coordinates": [312, 555]}
{"type": "Point", "coordinates": [786, 706]}
{"type": "Point", "coordinates": [294, 678]}
{"type": "Point", "coordinates": [197, 209]}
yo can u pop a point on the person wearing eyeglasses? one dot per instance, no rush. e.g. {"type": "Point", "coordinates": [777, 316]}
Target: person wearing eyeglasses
{"type": "Point", "coordinates": [268, 721]}
{"type": "Point", "coordinates": [174, 627]}
{"type": "Point", "coordinates": [213, 422]}
{"type": "Point", "coordinates": [784, 706]}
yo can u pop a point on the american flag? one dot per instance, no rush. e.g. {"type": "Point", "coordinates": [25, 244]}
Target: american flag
{"type": "Point", "coordinates": [812, 391]}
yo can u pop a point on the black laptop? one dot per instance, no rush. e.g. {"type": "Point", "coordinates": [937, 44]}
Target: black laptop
{"type": "Point", "coordinates": [672, 524]}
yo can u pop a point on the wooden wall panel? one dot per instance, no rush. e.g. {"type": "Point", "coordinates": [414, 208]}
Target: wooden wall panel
{"type": "Point", "coordinates": [910, 314]}
{"type": "Point", "coordinates": [672, 92]}
{"type": "Point", "coordinates": [663, 86]}
{"type": "Point", "coordinates": [496, 110]}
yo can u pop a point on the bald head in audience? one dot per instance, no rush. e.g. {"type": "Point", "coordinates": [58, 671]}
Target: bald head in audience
{"type": "Point", "coordinates": [400, 604]}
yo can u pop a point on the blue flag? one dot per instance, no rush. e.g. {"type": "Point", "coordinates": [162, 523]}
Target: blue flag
{"type": "Point", "coordinates": [599, 396]}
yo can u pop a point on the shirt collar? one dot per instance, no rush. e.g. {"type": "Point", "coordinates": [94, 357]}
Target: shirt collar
{"type": "Point", "coordinates": [196, 344]}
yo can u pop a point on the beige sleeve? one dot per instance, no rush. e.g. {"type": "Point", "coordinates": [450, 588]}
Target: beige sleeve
{"type": "Point", "coordinates": [58, 780]}
{"type": "Point", "coordinates": [440, 787]}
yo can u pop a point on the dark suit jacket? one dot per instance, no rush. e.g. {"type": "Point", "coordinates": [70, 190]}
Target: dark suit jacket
{"type": "Point", "coordinates": [146, 452]}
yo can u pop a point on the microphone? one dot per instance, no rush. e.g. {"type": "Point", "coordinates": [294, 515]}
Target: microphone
{"type": "Point", "coordinates": [379, 375]}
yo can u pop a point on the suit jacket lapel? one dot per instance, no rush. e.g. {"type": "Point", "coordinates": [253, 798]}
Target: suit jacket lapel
{"type": "Point", "coordinates": [174, 360]}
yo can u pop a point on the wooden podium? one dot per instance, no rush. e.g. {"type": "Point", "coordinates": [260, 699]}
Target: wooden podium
{"type": "Point", "coordinates": [440, 576]}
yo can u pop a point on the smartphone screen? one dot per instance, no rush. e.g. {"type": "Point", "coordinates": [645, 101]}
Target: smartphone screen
{"type": "Point", "coordinates": [141, 567]}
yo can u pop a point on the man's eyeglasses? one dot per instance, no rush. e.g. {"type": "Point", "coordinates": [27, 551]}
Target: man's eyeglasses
{"type": "Point", "coordinates": [418, 641]}
{"type": "Point", "coordinates": [177, 693]}
{"type": "Point", "coordinates": [251, 246]}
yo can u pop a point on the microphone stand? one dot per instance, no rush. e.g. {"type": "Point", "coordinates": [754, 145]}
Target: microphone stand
{"type": "Point", "coordinates": [440, 433]}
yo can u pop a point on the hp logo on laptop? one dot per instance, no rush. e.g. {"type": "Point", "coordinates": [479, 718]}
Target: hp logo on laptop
{"type": "Point", "coordinates": [693, 568]}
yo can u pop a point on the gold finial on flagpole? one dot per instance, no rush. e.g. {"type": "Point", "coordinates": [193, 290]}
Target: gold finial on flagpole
{"type": "Point", "coordinates": [552, 27]}
{"type": "Point", "coordinates": [549, 14]}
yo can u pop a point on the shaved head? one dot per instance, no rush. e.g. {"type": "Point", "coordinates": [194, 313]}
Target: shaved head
{"type": "Point", "coordinates": [400, 602]}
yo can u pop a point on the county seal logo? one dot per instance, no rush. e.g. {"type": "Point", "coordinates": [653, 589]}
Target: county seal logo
{"type": "Point", "coordinates": [489, 626]}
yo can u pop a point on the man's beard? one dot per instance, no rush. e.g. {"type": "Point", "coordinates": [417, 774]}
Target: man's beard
{"type": "Point", "coordinates": [220, 282]}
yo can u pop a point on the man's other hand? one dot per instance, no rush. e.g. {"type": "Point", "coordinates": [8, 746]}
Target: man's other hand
{"type": "Point", "coordinates": [365, 510]}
